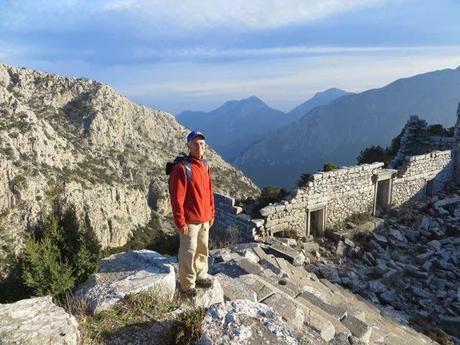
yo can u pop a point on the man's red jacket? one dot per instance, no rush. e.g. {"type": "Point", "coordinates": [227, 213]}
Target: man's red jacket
{"type": "Point", "coordinates": [191, 201]}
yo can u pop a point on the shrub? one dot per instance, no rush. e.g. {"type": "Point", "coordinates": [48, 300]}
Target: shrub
{"type": "Point", "coordinates": [439, 130]}
{"type": "Point", "coordinates": [188, 326]}
{"type": "Point", "coordinates": [221, 238]}
{"type": "Point", "coordinates": [372, 154]}
{"type": "Point", "coordinates": [11, 286]}
{"type": "Point", "coordinates": [329, 167]}
{"type": "Point", "coordinates": [304, 179]}
{"type": "Point", "coordinates": [269, 194]}
{"type": "Point", "coordinates": [59, 254]}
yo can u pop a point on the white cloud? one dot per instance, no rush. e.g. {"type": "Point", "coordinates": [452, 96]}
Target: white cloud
{"type": "Point", "coordinates": [256, 14]}
{"type": "Point", "coordinates": [253, 14]}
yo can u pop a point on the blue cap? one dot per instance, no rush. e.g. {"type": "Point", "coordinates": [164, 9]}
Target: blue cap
{"type": "Point", "coordinates": [193, 134]}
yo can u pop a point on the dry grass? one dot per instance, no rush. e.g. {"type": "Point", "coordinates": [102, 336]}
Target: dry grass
{"type": "Point", "coordinates": [138, 318]}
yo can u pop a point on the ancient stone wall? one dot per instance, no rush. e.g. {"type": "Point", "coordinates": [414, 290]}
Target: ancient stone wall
{"type": "Point", "coordinates": [229, 217]}
{"type": "Point", "coordinates": [350, 190]}
{"type": "Point", "coordinates": [414, 175]}
{"type": "Point", "coordinates": [340, 193]}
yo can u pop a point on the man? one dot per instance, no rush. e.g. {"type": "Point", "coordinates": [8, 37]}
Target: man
{"type": "Point", "coordinates": [192, 202]}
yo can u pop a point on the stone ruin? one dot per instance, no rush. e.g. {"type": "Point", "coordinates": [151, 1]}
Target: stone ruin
{"type": "Point", "coordinates": [423, 166]}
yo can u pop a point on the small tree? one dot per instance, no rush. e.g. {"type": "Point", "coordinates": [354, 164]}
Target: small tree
{"type": "Point", "coordinates": [59, 253]}
{"type": "Point", "coordinates": [329, 167]}
{"type": "Point", "coordinates": [303, 180]}
{"type": "Point", "coordinates": [372, 154]}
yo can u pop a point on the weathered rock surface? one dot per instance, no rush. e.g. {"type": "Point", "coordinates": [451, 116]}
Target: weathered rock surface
{"type": "Point", "coordinates": [316, 310]}
{"type": "Point", "coordinates": [244, 322]}
{"type": "Point", "coordinates": [207, 297]}
{"type": "Point", "coordinates": [37, 321]}
{"type": "Point", "coordinates": [126, 273]}
{"type": "Point", "coordinates": [78, 141]}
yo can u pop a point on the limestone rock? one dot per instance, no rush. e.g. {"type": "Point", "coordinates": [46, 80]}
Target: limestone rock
{"type": "Point", "coordinates": [78, 141]}
{"type": "Point", "coordinates": [244, 322]}
{"type": "Point", "coordinates": [126, 273]}
{"type": "Point", "coordinates": [207, 297]}
{"type": "Point", "coordinates": [37, 321]}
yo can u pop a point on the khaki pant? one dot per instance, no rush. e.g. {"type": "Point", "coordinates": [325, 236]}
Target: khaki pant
{"type": "Point", "coordinates": [193, 255]}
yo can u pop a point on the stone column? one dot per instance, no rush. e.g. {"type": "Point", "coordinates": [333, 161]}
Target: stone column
{"type": "Point", "coordinates": [456, 148]}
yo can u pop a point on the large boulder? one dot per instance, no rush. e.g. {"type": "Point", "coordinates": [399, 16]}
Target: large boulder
{"type": "Point", "coordinates": [126, 273]}
{"type": "Point", "coordinates": [37, 321]}
{"type": "Point", "coordinates": [244, 322]}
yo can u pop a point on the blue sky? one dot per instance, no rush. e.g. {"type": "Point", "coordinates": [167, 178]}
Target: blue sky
{"type": "Point", "coordinates": [182, 54]}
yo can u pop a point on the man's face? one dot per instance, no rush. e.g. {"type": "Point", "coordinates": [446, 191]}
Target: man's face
{"type": "Point", "coordinates": [197, 147]}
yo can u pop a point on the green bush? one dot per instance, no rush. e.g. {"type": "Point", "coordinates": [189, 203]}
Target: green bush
{"type": "Point", "coordinates": [329, 167]}
{"type": "Point", "coordinates": [59, 254]}
{"type": "Point", "coordinates": [372, 154]}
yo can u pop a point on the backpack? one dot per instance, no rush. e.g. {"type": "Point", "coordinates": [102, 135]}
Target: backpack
{"type": "Point", "coordinates": [182, 159]}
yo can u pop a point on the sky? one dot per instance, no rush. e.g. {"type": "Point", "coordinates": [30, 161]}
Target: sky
{"type": "Point", "coordinates": [181, 55]}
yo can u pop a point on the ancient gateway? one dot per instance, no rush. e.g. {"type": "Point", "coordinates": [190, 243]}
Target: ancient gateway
{"type": "Point", "coordinates": [424, 165]}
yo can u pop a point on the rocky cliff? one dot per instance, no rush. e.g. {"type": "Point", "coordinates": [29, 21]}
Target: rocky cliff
{"type": "Point", "coordinates": [77, 141]}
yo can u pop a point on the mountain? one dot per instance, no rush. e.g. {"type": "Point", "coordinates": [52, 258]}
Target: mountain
{"type": "Point", "coordinates": [77, 141]}
{"type": "Point", "coordinates": [235, 125]}
{"type": "Point", "coordinates": [338, 131]}
{"type": "Point", "coordinates": [320, 98]}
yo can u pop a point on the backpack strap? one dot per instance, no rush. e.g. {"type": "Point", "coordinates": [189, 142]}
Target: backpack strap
{"type": "Point", "coordinates": [188, 169]}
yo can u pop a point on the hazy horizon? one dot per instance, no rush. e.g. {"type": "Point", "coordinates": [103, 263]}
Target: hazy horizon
{"type": "Point", "coordinates": [184, 55]}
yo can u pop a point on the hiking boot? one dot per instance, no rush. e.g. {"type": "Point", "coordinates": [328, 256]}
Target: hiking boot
{"type": "Point", "coordinates": [204, 283]}
{"type": "Point", "coordinates": [191, 292]}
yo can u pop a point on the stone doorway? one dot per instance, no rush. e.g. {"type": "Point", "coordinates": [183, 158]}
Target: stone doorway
{"type": "Point", "coordinates": [382, 197]}
{"type": "Point", "coordinates": [316, 222]}
{"type": "Point", "coordinates": [429, 187]}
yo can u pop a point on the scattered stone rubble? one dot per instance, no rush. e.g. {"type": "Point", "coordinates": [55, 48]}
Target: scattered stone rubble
{"type": "Point", "coordinates": [410, 267]}
{"type": "Point", "coordinates": [316, 310]}
{"type": "Point", "coordinates": [381, 287]}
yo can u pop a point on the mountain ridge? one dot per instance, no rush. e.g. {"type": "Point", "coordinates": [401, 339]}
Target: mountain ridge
{"type": "Point", "coordinates": [338, 131]}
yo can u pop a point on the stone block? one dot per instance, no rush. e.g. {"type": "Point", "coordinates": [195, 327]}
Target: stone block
{"type": "Point", "coordinates": [292, 255]}
{"type": "Point", "coordinates": [266, 211]}
{"type": "Point", "coordinates": [207, 297]}
{"type": "Point", "coordinates": [336, 310]}
{"type": "Point", "coordinates": [249, 267]}
{"type": "Point", "coordinates": [358, 328]}
{"type": "Point", "coordinates": [262, 289]}
{"type": "Point", "coordinates": [235, 289]}
{"type": "Point", "coordinates": [288, 309]}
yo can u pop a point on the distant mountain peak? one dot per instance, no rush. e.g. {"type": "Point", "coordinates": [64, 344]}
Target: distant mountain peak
{"type": "Point", "coordinates": [320, 98]}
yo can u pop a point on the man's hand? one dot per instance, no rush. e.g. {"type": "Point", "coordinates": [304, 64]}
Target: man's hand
{"type": "Point", "coordinates": [184, 229]}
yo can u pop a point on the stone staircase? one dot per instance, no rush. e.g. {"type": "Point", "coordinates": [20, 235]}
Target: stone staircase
{"type": "Point", "coordinates": [274, 275]}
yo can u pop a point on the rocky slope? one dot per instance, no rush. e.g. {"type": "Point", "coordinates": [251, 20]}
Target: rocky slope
{"type": "Point", "coordinates": [79, 142]}
{"type": "Point", "coordinates": [338, 131]}
{"type": "Point", "coordinates": [409, 267]}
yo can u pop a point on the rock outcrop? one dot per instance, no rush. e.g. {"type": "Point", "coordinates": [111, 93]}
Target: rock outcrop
{"type": "Point", "coordinates": [244, 322]}
{"type": "Point", "coordinates": [128, 273]}
{"type": "Point", "coordinates": [37, 321]}
{"type": "Point", "coordinates": [77, 141]}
